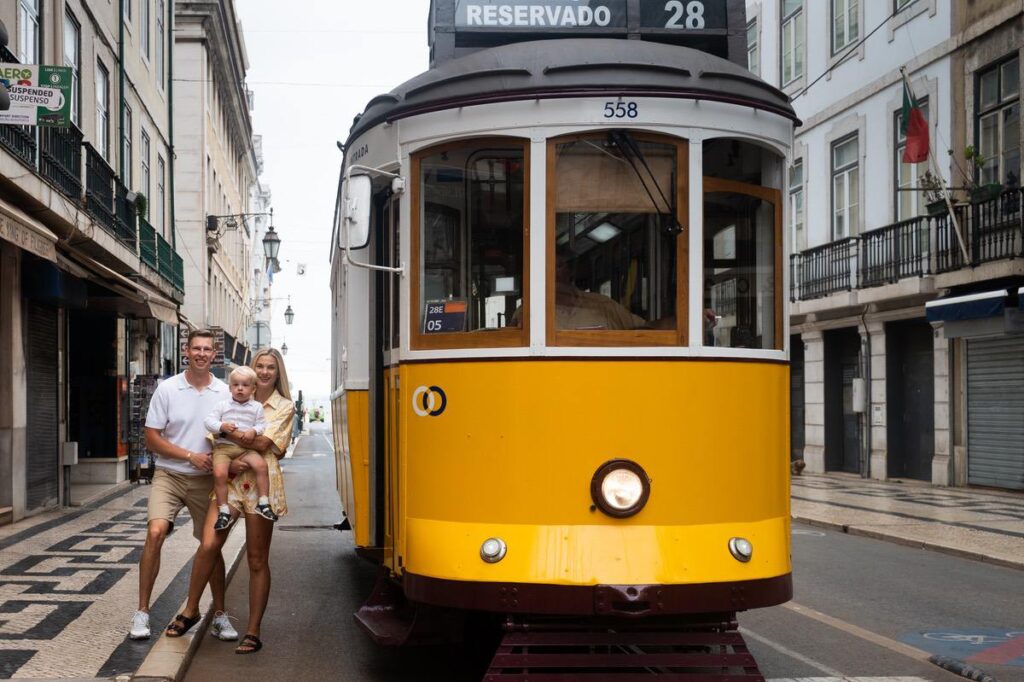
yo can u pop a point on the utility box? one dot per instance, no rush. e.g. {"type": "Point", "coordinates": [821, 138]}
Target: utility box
{"type": "Point", "coordinates": [860, 395]}
{"type": "Point", "coordinates": [69, 453]}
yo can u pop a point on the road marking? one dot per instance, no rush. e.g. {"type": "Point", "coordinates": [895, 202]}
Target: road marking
{"type": "Point", "coordinates": [856, 631]}
{"type": "Point", "coordinates": [818, 665]}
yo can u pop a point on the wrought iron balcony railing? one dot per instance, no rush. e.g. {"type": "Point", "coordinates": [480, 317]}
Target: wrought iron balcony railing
{"type": "Point", "coordinates": [147, 243]}
{"type": "Point", "coordinates": [99, 189]}
{"type": "Point", "coordinates": [124, 216]}
{"type": "Point", "coordinates": [60, 159]}
{"type": "Point", "coordinates": [992, 230]}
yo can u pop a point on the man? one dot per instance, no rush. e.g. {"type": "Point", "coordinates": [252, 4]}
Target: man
{"type": "Point", "coordinates": [176, 435]}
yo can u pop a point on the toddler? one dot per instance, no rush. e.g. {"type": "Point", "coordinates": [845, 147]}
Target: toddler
{"type": "Point", "coordinates": [239, 414]}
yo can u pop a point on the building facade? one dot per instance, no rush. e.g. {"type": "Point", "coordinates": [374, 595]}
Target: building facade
{"type": "Point", "coordinates": [908, 351]}
{"type": "Point", "coordinates": [90, 279]}
{"type": "Point", "coordinates": [215, 172]}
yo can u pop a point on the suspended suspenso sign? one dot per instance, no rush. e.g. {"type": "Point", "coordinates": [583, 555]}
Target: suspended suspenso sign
{"type": "Point", "coordinates": [40, 95]}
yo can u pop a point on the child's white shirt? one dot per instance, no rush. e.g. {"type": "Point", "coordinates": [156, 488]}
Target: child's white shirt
{"type": "Point", "coordinates": [245, 416]}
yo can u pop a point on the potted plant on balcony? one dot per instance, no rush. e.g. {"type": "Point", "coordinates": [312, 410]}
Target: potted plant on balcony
{"type": "Point", "coordinates": [141, 204]}
{"type": "Point", "coordinates": [978, 191]}
{"type": "Point", "coordinates": [935, 200]}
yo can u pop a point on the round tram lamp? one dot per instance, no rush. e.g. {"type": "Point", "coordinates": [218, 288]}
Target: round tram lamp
{"type": "Point", "coordinates": [289, 315]}
{"type": "Point", "coordinates": [271, 244]}
{"type": "Point", "coordinates": [284, 349]}
{"type": "Point", "coordinates": [620, 488]}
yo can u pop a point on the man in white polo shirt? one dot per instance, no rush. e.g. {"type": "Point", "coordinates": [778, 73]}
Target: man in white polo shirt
{"type": "Point", "coordinates": [176, 435]}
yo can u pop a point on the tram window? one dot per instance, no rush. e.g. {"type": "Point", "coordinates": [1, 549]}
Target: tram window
{"type": "Point", "coordinates": [471, 243]}
{"type": "Point", "coordinates": [615, 228]}
{"type": "Point", "coordinates": [740, 275]}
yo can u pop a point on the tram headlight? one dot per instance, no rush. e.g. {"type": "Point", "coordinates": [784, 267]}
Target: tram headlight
{"type": "Point", "coordinates": [620, 488]}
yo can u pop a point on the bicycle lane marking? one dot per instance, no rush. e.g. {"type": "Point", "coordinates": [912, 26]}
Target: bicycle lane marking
{"type": "Point", "coordinates": [997, 646]}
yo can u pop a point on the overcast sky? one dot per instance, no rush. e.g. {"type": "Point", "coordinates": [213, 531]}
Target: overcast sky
{"type": "Point", "coordinates": [313, 66]}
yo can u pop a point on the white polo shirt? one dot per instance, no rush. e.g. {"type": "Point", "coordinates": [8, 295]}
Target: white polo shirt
{"type": "Point", "coordinates": [177, 410]}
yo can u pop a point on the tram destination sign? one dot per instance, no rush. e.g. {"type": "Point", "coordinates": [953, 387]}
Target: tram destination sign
{"type": "Point", "coordinates": [559, 15]}
{"type": "Point", "coordinates": [684, 15]}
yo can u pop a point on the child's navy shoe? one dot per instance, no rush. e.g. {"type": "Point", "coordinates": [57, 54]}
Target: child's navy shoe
{"type": "Point", "coordinates": [266, 512]}
{"type": "Point", "coordinates": [223, 522]}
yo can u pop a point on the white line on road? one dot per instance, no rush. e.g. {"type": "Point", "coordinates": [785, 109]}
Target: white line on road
{"type": "Point", "coordinates": [817, 665]}
{"type": "Point", "coordinates": [847, 679]}
{"type": "Point", "coordinates": [856, 631]}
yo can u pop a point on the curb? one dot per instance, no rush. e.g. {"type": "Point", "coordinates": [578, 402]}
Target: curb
{"type": "Point", "coordinates": [170, 657]}
{"type": "Point", "coordinates": [907, 542]}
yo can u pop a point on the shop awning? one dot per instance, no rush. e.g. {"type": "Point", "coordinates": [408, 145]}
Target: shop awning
{"type": "Point", "coordinates": [27, 233]}
{"type": "Point", "coordinates": [165, 312]}
{"type": "Point", "coordinates": [967, 307]}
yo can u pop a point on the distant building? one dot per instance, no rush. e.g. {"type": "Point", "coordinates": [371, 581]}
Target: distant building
{"type": "Point", "coordinates": [90, 279]}
{"type": "Point", "coordinates": [908, 356]}
{"type": "Point", "coordinates": [216, 171]}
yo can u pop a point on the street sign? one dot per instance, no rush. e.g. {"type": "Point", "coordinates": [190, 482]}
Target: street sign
{"type": "Point", "coordinates": [40, 95]}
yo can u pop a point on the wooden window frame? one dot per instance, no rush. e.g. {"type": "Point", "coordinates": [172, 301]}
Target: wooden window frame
{"type": "Point", "coordinates": [507, 337]}
{"type": "Point", "coordinates": [774, 197]}
{"type": "Point", "coordinates": [616, 338]}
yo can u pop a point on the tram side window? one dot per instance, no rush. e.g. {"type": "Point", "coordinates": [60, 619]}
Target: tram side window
{"type": "Point", "coordinates": [615, 233]}
{"type": "Point", "coordinates": [471, 240]}
{"type": "Point", "coordinates": [742, 245]}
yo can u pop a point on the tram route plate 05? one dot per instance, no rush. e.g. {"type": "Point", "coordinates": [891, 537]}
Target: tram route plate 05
{"type": "Point", "coordinates": [998, 646]}
{"type": "Point", "coordinates": [444, 316]}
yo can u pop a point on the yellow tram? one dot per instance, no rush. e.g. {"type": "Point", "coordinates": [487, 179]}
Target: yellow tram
{"type": "Point", "coordinates": [561, 375]}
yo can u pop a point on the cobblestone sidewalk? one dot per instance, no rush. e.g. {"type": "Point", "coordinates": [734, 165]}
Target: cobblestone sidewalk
{"type": "Point", "coordinates": [69, 587]}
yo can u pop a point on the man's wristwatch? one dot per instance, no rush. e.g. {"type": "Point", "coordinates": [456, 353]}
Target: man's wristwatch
{"type": "Point", "coordinates": [188, 456]}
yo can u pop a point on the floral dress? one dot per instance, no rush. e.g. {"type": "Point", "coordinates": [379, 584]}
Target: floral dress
{"type": "Point", "coordinates": [279, 413]}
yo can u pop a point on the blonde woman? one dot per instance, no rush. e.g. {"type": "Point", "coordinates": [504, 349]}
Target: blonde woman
{"type": "Point", "coordinates": [271, 392]}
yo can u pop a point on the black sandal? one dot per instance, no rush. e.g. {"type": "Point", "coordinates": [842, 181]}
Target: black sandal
{"type": "Point", "coordinates": [182, 624]}
{"type": "Point", "coordinates": [250, 644]}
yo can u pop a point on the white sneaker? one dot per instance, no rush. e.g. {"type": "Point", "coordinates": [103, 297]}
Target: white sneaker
{"type": "Point", "coordinates": [140, 626]}
{"type": "Point", "coordinates": [221, 627]}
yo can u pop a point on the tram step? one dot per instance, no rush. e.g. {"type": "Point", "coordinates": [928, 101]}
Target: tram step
{"type": "Point", "coordinates": [709, 655]}
{"type": "Point", "coordinates": [390, 620]}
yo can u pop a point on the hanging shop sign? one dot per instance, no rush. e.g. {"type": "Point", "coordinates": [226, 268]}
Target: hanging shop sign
{"type": "Point", "coordinates": [40, 95]}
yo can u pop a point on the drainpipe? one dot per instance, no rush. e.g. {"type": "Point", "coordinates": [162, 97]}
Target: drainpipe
{"type": "Point", "coordinates": [169, 37]}
{"type": "Point", "coordinates": [866, 457]}
{"type": "Point", "coordinates": [120, 86]}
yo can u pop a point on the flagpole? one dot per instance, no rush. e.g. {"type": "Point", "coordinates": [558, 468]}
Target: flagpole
{"type": "Point", "coordinates": [942, 183]}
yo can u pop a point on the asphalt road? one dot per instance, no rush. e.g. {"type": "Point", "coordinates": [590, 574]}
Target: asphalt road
{"type": "Point", "coordinates": [860, 606]}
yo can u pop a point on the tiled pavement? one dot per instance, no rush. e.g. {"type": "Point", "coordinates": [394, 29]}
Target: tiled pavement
{"type": "Point", "coordinates": [69, 586]}
{"type": "Point", "coordinates": [986, 525]}
{"type": "Point", "coordinates": [69, 579]}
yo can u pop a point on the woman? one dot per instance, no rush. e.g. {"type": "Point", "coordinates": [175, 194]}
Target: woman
{"type": "Point", "coordinates": [272, 391]}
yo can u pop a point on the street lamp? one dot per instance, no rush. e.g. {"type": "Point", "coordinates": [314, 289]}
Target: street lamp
{"type": "Point", "coordinates": [289, 314]}
{"type": "Point", "coordinates": [271, 243]}
{"type": "Point", "coordinates": [284, 349]}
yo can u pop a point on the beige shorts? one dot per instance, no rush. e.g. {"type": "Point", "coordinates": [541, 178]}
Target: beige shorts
{"type": "Point", "coordinates": [172, 491]}
{"type": "Point", "coordinates": [223, 453]}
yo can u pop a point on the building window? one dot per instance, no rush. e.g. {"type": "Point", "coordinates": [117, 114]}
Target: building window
{"type": "Point", "coordinates": [899, 5]}
{"type": "Point", "coordinates": [161, 177]}
{"type": "Point", "coordinates": [127, 9]}
{"type": "Point", "coordinates": [144, 161]}
{"type": "Point", "coordinates": [845, 187]}
{"type": "Point", "coordinates": [909, 201]}
{"type": "Point", "coordinates": [28, 31]}
{"type": "Point", "coordinates": [845, 30]}
{"type": "Point", "coordinates": [753, 63]}
{"type": "Point", "coordinates": [144, 27]}
{"type": "Point", "coordinates": [73, 60]}
{"type": "Point", "coordinates": [796, 206]}
{"type": "Point", "coordinates": [126, 147]}
{"type": "Point", "coordinates": [998, 123]}
{"type": "Point", "coordinates": [102, 107]}
{"type": "Point", "coordinates": [160, 43]}
{"type": "Point", "coordinates": [792, 41]}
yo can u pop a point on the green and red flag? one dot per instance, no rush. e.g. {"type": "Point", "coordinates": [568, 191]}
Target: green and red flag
{"type": "Point", "coordinates": [914, 127]}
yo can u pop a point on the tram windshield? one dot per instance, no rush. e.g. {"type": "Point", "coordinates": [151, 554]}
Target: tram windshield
{"type": "Point", "coordinates": [615, 233]}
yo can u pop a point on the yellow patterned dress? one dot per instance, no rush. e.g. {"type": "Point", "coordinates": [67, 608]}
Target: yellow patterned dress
{"type": "Point", "coordinates": [279, 413]}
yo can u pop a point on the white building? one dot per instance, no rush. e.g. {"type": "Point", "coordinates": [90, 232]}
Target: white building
{"type": "Point", "coordinates": [883, 387]}
{"type": "Point", "coordinates": [216, 170]}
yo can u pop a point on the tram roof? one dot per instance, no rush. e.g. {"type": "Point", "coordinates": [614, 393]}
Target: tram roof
{"type": "Point", "coordinates": [574, 67]}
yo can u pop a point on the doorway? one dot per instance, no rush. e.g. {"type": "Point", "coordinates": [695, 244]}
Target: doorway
{"type": "Point", "coordinates": [842, 424]}
{"type": "Point", "coordinates": [910, 399]}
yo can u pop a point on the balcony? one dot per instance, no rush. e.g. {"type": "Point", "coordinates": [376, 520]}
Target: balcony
{"type": "Point", "coordinates": [927, 245]}
{"type": "Point", "coordinates": [60, 159]}
{"type": "Point", "coordinates": [147, 243]}
{"type": "Point", "coordinates": [99, 189]}
{"type": "Point", "coordinates": [124, 217]}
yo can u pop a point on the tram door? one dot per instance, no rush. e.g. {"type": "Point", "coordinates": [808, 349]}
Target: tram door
{"type": "Point", "coordinates": [390, 384]}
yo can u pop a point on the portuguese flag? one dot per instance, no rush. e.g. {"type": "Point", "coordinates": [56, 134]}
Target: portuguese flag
{"type": "Point", "coordinates": [914, 127]}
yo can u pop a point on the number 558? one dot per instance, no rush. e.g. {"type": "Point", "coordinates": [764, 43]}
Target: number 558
{"type": "Point", "coordinates": [620, 110]}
